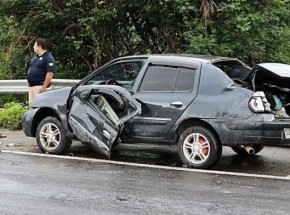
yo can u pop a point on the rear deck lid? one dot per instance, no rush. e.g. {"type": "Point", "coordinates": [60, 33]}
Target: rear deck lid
{"type": "Point", "coordinates": [271, 73]}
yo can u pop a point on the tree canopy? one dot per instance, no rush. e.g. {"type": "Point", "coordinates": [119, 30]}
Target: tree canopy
{"type": "Point", "coordinates": [83, 35]}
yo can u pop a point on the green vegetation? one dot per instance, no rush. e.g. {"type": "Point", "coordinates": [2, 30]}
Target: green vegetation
{"type": "Point", "coordinates": [85, 34]}
{"type": "Point", "coordinates": [22, 99]}
{"type": "Point", "coordinates": [12, 108]}
{"type": "Point", "coordinates": [10, 117]}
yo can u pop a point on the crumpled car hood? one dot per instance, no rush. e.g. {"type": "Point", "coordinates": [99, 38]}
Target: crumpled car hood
{"type": "Point", "coordinates": [270, 73]}
{"type": "Point", "coordinates": [57, 97]}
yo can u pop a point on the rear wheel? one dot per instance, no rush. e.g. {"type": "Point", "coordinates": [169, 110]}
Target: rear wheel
{"type": "Point", "coordinates": [241, 150]}
{"type": "Point", "coordinates": [51, 136]}
{"type": "Point", "coordinates": [198, 147]}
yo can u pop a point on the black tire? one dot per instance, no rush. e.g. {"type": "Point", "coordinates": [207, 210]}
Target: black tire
{"type": "Point", "coordinates": [240, 150]}
{"type": "Point", "coordinates": [195, 156]}
{"type": "Point", "coordinates": [51, 136]}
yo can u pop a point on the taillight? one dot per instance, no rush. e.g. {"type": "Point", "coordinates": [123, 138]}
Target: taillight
{"type": "Point", "coordinates": [258, 103]}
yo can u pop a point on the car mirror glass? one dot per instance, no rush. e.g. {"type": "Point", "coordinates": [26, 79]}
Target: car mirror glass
{"type": "Point", "coordinates": [85, 94]}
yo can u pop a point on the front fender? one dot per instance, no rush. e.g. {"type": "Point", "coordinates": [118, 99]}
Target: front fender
{"type": "Point", "coordinates": [33, 117]}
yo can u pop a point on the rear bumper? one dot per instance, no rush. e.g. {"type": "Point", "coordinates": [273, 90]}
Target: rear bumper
{"type": "Point", "coordinates": [249, 132]}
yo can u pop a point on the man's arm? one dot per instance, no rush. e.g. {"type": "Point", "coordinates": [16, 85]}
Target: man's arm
{"type": "Point", "coordinates": [47, 81]}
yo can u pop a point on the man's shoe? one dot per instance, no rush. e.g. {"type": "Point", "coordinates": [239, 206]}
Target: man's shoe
{"type": "Point", "coordinates": [3, 135]}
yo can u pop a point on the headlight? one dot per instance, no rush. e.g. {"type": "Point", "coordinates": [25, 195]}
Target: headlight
{"type": "Point", "coordinates": [259, 103]}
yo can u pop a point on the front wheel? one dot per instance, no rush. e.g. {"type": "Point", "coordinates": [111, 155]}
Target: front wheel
{"type": "Point", "coordinates": [51, 136]}
{"type": "Point", "coordinates": [198, 147]}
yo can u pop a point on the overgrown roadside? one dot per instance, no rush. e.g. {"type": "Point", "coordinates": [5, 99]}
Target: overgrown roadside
{"type": "Point", "coordinates": [10, 115]}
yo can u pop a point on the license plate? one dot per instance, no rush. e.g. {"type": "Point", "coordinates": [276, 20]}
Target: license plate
{"type": "Point", "coordinates": [287, 133]}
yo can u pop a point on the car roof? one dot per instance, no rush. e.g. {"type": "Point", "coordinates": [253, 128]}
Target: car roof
{"type": "Point", "coordinates": [184, 57]}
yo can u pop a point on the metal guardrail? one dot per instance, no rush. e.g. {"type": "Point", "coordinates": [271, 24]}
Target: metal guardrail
{"type": "Point", "coordinates": [20, 86]}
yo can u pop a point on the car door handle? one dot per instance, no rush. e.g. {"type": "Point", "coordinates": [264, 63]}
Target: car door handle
{"type": "Point", "coordinates": [177, 104]}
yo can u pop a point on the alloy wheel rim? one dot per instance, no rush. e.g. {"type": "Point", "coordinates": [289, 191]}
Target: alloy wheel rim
{"type": "Point", "coordinates": [196, 148]}
{"type": "Point", "coordinates": [50, 136]}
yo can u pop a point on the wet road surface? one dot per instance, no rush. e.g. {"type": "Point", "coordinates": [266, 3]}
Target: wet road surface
{"type": "Point", "coordinates": [54, 185]}
{"type": "Point", "coordinates": [32, 184]}
{"type": "Point", "coordinates": [270, 161]}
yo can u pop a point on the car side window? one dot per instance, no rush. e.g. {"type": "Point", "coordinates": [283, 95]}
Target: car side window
{"type": "Point", "coordinates": [185, 79]}
{"type": "Point", "coordinates": [159, 78]}
{"type": "Point", "coordinates": [167, 79]}
{"type": "Point", "coordinates": [124, 73]}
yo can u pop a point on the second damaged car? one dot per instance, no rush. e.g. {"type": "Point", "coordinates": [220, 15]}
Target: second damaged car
{"type": "Point", "coordinates": [199, 103]}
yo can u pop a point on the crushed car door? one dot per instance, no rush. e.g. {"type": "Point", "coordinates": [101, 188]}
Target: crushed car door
{"type": "Point", "coordinates": [98, 112]}
{"type": "Point", "coordinates": [166, 90]}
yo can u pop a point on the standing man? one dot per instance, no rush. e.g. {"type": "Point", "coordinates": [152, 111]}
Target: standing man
{"type": "Point", "coordinates": [41, 69]}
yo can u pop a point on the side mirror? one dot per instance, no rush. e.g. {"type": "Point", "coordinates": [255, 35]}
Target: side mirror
{"type": "Point", "coordinates": [85, 95]}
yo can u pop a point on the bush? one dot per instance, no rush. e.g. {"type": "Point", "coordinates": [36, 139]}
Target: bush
{"type": "Point", "coordinates": [21, 98]}
{"type": "Point", "coordinates": [10, 117]}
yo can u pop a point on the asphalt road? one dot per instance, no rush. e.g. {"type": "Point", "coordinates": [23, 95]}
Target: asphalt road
{"type": "Point", "coordinates": [139, 179]}
{"type": "Point", "coordinates": [32, 184]}
{"type": "Point", "coordinates": [270, 161]}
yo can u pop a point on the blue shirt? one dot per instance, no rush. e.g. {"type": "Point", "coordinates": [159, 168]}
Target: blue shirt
{"type": "Point", "coordinates": [39, 66]}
